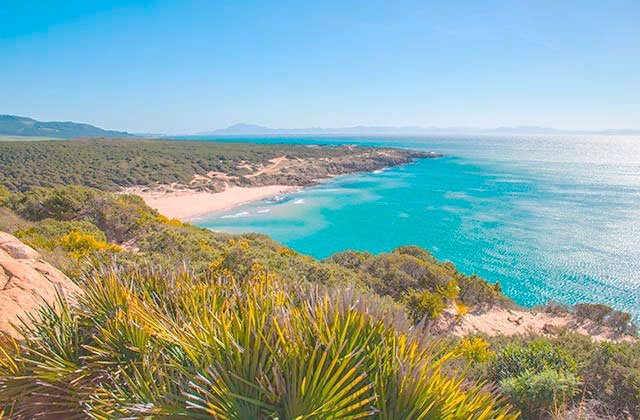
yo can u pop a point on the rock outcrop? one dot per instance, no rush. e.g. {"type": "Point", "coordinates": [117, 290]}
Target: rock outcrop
{"type": "Point", "coordinates": [26, 282]}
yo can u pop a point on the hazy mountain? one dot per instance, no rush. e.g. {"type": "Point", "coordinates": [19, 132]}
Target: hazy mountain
{"type": "Point", "coordinates": [252, 129]}
{"type": "Point", "coordinates": [22, 126]}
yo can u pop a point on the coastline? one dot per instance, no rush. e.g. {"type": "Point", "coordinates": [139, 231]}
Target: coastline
{"type": "Point", "coordinates": [186, 204]}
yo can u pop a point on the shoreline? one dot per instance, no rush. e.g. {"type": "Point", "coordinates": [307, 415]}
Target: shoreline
{"type": "Point", "coordinates": [188, 204]}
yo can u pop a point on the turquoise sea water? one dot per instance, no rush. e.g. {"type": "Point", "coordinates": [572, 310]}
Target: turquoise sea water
{"type": "Point", "coordinates": [549, 218]}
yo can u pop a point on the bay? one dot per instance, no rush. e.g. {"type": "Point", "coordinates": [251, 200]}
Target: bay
{"type": "Point", "coordinates": [549, 218]}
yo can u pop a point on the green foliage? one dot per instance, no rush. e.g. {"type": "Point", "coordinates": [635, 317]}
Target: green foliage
{"type": "Point", "coordinates": [622, 322]}
{"type": "Point", "coordinates": [147, 237]}
{"type": "Point", "coordinates": [475, 349]}
{"type": "Point", "coordinates": [605, 315]}
{"type": "Point", "coordinates": [352, 260]}
{"type": "Point", "coordinates": [610, 372]}
{"type": "Point", "coordinates": [64, 203]}
{"type": "Point", "coordinates": [424, 304]}
{"type": "Point", "coordinates": [48, 233]}
{"type": "Point", "coordinates": [541, 394]}
{"type": "Point", "coordinates": [533, 356]}
{"type": "Point", "coordinates": [475, 290]}
{"type": "Point", "coordinates": [155, 345]}
{"type": "Point", "coordinates": [410, 268]}
{"type": "Point", "coordinates": [111, 164]}
{"type": "Point", "coordinates": [4, 195]}
{"type": "Point", "coordinates": [594, 311]}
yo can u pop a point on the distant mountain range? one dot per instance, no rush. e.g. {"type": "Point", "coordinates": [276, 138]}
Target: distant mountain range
{"type": "Point", "coordinates": [252, 129]}
{"type": "Point", "coordinates": [12, 125]}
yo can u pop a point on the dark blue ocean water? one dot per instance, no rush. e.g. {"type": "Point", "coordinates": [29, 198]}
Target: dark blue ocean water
{"type": "Point", "coordinates": [548, 217]}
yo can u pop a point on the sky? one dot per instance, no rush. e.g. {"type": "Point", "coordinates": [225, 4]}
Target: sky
{"type": "Point", "coordinates": [190, 66]}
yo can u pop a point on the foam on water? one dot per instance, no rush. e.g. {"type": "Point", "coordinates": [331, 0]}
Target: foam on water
{"type": "Point", "coordinates": [235, 215]}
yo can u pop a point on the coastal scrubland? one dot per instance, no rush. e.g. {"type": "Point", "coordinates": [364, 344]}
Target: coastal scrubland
{"type": "Point", "coordinates": [178, 321]}
{"type": "Point", "coordinates": [112, 164]}
{"type": "Point", "coordinates": [171, 313]}
{"type": "Point", "coordinates": [185, 179]}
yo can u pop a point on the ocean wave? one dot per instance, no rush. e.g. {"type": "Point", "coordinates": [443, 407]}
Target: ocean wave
{"type": "Point", "coordinates": [234, 216]}
{"type": "Point", "coordinates": [275, 199]}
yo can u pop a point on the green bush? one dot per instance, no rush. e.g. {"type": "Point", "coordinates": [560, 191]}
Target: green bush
{"type": "Point", "coordinates": [48, 233]}
{"type": "Point", "coordinates": [622, 322]}
{"type": "Point", "coordinates": [64, 203]}
{"type": "Point", "coordinates": [594, 311]}
{"type": "Point", "coordinates": [4, 196]}
{"type": "Point", "coordinates": [409, 268]}
{"type": "Point", "coordinates": [424, 304]}
{"type": "Point", "coordinates": [184, 346]}
{"type": "Point", "coordinates": [534, 357]}
{"type": "Point", "coordinates": [352, 260]}
{"type": "Point", "coordinates": [475, 290]}
{"type": "Point", "coordinates": [611, 373]}
{"type": "Point", "coordinates": [541, 394]}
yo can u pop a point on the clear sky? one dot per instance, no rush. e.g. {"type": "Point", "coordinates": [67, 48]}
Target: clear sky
{"type": "Point", "coordinates": [186, 66]}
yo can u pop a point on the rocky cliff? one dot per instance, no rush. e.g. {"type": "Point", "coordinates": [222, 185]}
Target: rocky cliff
{"type": "Point", "coordinates": [26, 282]}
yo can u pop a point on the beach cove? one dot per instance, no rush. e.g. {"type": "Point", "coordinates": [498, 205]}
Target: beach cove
{"type": "Point", "coordinates": [530, 213]}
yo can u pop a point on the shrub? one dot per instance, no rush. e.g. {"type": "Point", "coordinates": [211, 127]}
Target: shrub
{"type": "Point", "coordinates": [622, 322]}
{"type": "Point", "coordinates": [78, 239]}
{"type": "Point", "coordinates": [350, 259]}
{"type": "Point", "coordinates": [4, 195]}
{"type": "Point", "coordinates": [533, 356]}
{"type": "Point", "coordinates": [417, 252]}
{"type": "Point", "coordinates": [541, 394]}
{"type": "Point", "coordinates": [80, 244]}
{"type": "Point", "coordinates": [555, 308]}
{"type": "Point", "coordinates": [475, 290]}
{"type": "Point", "coordinates": [156, 346]}
{"type": "Point", "coordinates": [424, 304]}
{"type": "Point", "coordinates": [63, 203]}
{"type": "Point", "coordinates": [594, 311]}
{"type": "Point", "coordinates": [475, 349]}
{"type": "Point", "coordinates": [611, 373]}
{"type": "Point", "coordinates": [450, 290]}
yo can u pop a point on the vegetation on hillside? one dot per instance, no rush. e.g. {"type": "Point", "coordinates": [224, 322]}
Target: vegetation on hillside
{"type": "Point", "coordinates": [12, 125]}
{"type": "Point", "coordinates": [561, 375]}
{"type": "Point", "coordinates": [113, 164]}
{"type": "Point", "coordinates": [179, 320]}
{"type": "Point", "coordinates": [46, 218]}
{"type": "Point", "coordinates": [150, 345]}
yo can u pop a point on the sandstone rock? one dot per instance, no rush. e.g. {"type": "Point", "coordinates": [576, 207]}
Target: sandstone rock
{"type": "Point", "coordinates": [26, 282]}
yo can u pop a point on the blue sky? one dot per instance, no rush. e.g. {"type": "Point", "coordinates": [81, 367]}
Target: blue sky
{"type": "Point", "coordinates": [187, 66]}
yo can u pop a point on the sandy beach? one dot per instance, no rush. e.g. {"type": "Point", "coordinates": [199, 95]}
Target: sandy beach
{"type": "Point", "coordinates": [186, 204]}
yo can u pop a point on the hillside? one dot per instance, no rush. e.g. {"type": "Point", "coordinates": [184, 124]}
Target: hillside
{"type": "Point", "coordinates": [178, 319]}
{"type": "Point", "coordinates": [212, 166]}
{"type": "Point", "coordinates": [12, 125]}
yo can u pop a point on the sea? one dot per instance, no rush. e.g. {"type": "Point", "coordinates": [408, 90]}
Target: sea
{"type": "Point", "coordinates": [551, 218]}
